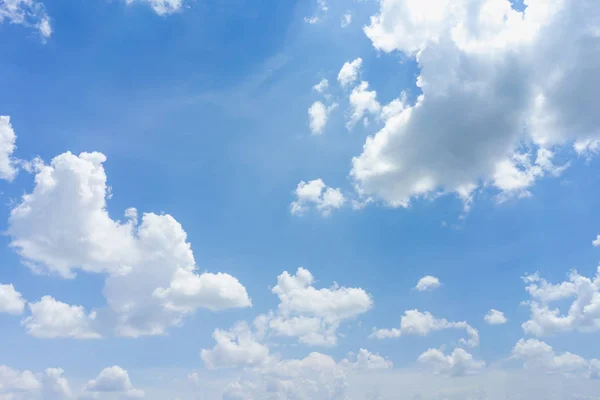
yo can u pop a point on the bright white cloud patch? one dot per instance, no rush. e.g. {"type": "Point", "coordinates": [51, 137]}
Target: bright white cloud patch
{"type": "Point", "coordinates": [316, 194]}
{"type": "Point", "coordinates": [161, 7]}
{"type": "Point", "coordinates": [56, 385]}
{"type": "Point", "coordinates": [13, 382]}
{"type": "Point", "coordinates": [318, 114]}
{"type": "Point", "coordinates": [322, 86]}
{"type": "Point", "coordinates": [427, 283]}
{"type": "Point", "coordinates": [495, 317]}
{"type": "Point", "coordinates": [538, 355]}
{"type": "Point", "coordinates": [349, 72]}
{"type": "Point", "coordinates": [596, 242]}
{"type": "Point", "coordinates": [113, 380]}
{"type": "Point", "coordinates": [235, 348]}
{"type": "Point", "coordinates": [365, 360]}
{"type": "Point", "coordinates": [363, 102]}
{"type": "Point", "coordinates": [51, 318]}
{"type": "Point", "coordinates": [151, 283]}
{"type": "Point", "coordinates": [492, 79]}
{"type": "Point", "coordinates": [28, 13]}
{"type": "Point", "coordinates": [583, 313]}
{"type": "Point", "coordinates": [414, 322]}
{"type": "Point", "coordinates": [459, 362]}
{"type": "Point", "coordinates": [8, 168]}
{"type": "Point", "coordinates": [11, 301]}
{"type": "Point", "coordinates": [314, 315]}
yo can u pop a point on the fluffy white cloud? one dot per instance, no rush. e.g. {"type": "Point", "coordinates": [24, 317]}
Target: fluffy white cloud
{"type": "Point", "coordinates": [152, 281]}
{"type": "Point", "coordinates": [11, 301]}
{"type": "Point", "coordinates": [318, 114]}
{"type": "Point", "coordinates": [346, 20]}
{"type": "Point", "coordinates": [584, 311]}
{"type": "Point", "coordinates": [495, 317]}
{"type": "Point", "coordinates": [310, 314]}
{"type": "Point", "coordinates": [235, 348]}
{"type": "Point", "coordinates": [362, 101]}
{"type": "Point", "coordinates": [428, 282]}
{"type": "Point", "coordinates": [596, 242]}
{"type": "Point", "coordinates": [51, 318]}
{"type": "Point", "coordinates": [365, 360]}
{"type": "Point", "coordinates": [414, 322]}
{"type": "Point", "coordinates": [49, 385]}
{"type": "Point", "coordinates": [113, 380]}
{"type": "Point", "coordinates": [349, 72]}
{"type": "Point", "coordinates": [539, 355]}
{"type": "Point", "coordinates": [161, 7]}
{"type": "Point", "coordinates": [322, 86]}
{"type": "Point", "coordinates": [13, 381]}
{"type": "Point", "coordinates": [8, 168]}
{"type": "Point", "coordinates": [459, 362]}
{"type": "Point", "coordinates": [316, 193]}
{"type": "Point", "coordinates": [56, 385]}
{"type": "Point", "coordinates": [28, 13]}
{"type": "Point", "coordinates": [491, 83]}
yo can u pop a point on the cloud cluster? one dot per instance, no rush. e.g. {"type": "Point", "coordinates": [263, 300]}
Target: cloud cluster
{"type": "Point", "coordinates": [151, 279]}
{"type": "Point", "coordinates": [458, 363]}
{"type": "Point", "coordinates": [8, 167]}
{"type": "Point", "coordinates": [25, 385]}
{"type": "Point", "coordinates": [349, 72]}
{"type": "Point", "coordinates": [316, 194]}
{"type": "Point", "coordinates": [11, 301]}
{"type": "Point", "coordinates": [28, 13]}
{"type": "Point", "coordinates": [114, 380]}
{"type": "Point", "coordinates": [318, 114]}
{"type": "Point", "coordinates": [501, 91]}
{"type": "Point", "coordinates": [414, 322]}
{"type": "Point", "coordinates": [495, 317]}
{"type": "Point", "coordinates": [428, 283]}
{"type": "Point", "coordinates": [584, 311]}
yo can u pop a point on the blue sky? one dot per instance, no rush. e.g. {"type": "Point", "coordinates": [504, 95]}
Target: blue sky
{"type": "Point", "coordinates": [486, 172]}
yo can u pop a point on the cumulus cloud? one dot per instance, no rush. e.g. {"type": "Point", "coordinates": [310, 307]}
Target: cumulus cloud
{"type": "Point", "coordinates": [427, 283]}
{"type": "Point", "coordinates": [414, 322]}
{"type": "Point", "coordinates": [316, 194]}
{"type": "Point", "coordinates": [538, 355]}
{"type": "Point", "coordinates": [63, 226]}
{"type": "Point", "coordinates": [56, 385]}
{"type": "Point", "coordinates": [8, 167]}
{"type": "Point", "coordinates": [459, 362]}
{"type": "Point", "coordinates": [349, 72]}
{"type": "Point", "coordinates": [51, 318]}
{"type": "Point", "coordinates": [500, 89]}
{"type": "Point", "coordinates": [322, 86]}
{"type": "Point", "coordinates": [362, 102]}
{"type": "Point", "coordinates": [365, 360]}
{"type": "Point", "coordinates": [28, 13]}
{"type": "Point", "coordinates": [49, 385]}
{"type": "Point", "coordinates": [318, 114]}
{"type": "Point", "coordinates": [583, 314]}
{"type": "Point", "coordinates": [11, 301]}
{"type": "Point", "coordinates": [310, 314]}
{"type": "Point", "coordinates": [495, 317]}
{"type": "Point", "coordinates": [113, 380]}
{"type": "Point", "coordinates": [235, 348]}
{"type": "Point", "coordinates": [13, 381]}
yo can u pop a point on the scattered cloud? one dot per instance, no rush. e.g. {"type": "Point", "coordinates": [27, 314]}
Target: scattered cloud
{"type": "Point", "coordinates": [362, 102]}
{"type": "Point", "coordinates": [318, 114]}
{"type": "Point", "coordinates": [365, 360]}
{"type": "Point", "coordinates": [8, 165]}
{"type": "Point", "coordinates": [29, 13]}
{"type": "Point", "coordinates": [428, 283]}
{"type": "Point", "coordinates": [495, 317]}
{"type": "Point", "coordinates": [349, 72]}
{"type": "Point", "coordinates": [320, 13]}
{"type": "Point", "coordinates": [414, 322]}
{"type": "Point", "coordinates": [322, 86]}
{"type": "Point", "coordinates": [11, 301]}
{"type": "Point", "coordinates": [316, 194]}
{"type": "Point", "coordinates": [235, 348]}
{"type": "Point", "coordinates": [346, 20]}
{"type": "Point", "coordinates": [583, 315]}
{"type": "Point", "coordinates": [458, 363]}
{"type": "Point", "coordinates": [114, 380]}
{"type": "Point", "coordinates": [161, 7]}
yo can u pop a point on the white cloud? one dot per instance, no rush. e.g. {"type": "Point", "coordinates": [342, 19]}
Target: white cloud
{"type": "Point", "coordinates": [63, 226]}
{"type": "Point", "coordinates": [11, 301]}
{"type": "Point", "coordinates": [414, 322]}
{"type": "Point", "coordinates": [490, 84]}
{"type": "Point", "coordinates": [161, 7]}
{"type": "Point", "coordinates": [314, 315]}
{"type": "Point", "coordinates": [366, 360]}
{"type": "Point", "coordinates": [51, 319]}
{"type": "Point", "coordinates": [113, 380]}
{"type": "Point", "coordinates": [235, 348]}
{"type": "Point", "coordinates": [427, 283]}
{"type": "Point", "coordinates": [584, 311]}
{"type": "Point", "coordinates": [28, 13]}
{"type": "Point", "coordinates": [596, 242]}
{"type": "Point", "coordinates": [538, 355]}
{"type": "Point", "coordinates": [318, 114]}
{"type": "Point", "coordinates": [322, 86]}
{"type": "Point", "coordinates": [194, 378]}
{"type": "Point", "coordinates": [362, 101]}
{"type": "Point", "coordinates": [346, 20]}
{"type": "Point", "coordinates": [13, 381]}
{"type": "Point", "coordinates": [495, 317]}
{"type": "Point", "coordinates": [320, 14]}
{"type": "Point", "coordinates": [8, 168]}
{"type": "Point", "coordinates": [349, 72]}
{"type": "Point", "coordinates": [316, 193]}
{"type": "Point", "coordinates": [458, 363]}
{"type": "Point", "coordinates": [56, 385]}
